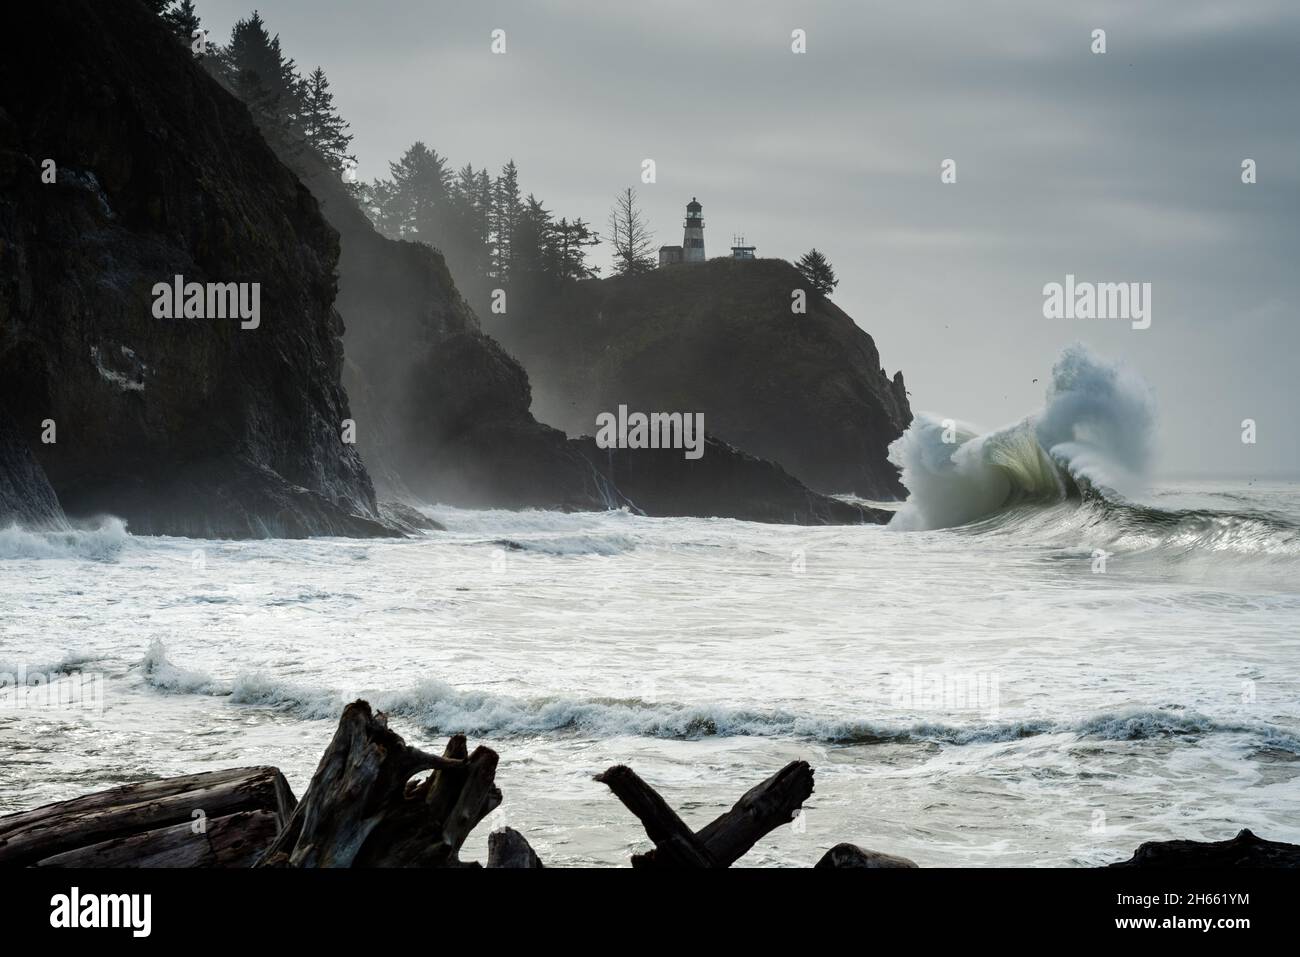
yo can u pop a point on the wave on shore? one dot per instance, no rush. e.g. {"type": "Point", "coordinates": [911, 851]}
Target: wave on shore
{"type": "Point", "coordinates": [439, 708]}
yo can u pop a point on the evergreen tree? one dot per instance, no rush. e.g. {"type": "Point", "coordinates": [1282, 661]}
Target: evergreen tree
{"type": "Point", "coordinates": [474, 208]}
{"type": "Point", "coordinates": [533, 246]}
{"type": "Point", "coordinates": [817, 271]}
{"type": "Point", "coordinates": [264, 77]}
{"type": "Point", "coordinates": [572, 240]}
{"type": "Point", "coordinates": [468, 253]}
{"type": "Point", "coordinates": [325, 131]}
{"type": "Point", "coordinates": [381, 206]}
{"type": "Point", "coordinates": [629, 236]}
{"type": "Point", "coordinates": [483, 203]}
{"type": "Point", "coordinates": [184, 20]}
{"type": "Point", "coordinates": [419, 197]}
{"type": "Point", "coordinates": [506, 206]}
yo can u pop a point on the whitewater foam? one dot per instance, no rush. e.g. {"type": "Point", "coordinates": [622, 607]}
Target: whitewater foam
{"type": "Point", "coordinates": [439, 708]}
{"type": "Point", "coordinates": [101, 542]}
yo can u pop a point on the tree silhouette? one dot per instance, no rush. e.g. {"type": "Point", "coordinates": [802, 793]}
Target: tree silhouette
{"type": "Point", "coordinates": [572, 240]}
{"type": "Point", "coordinates": [506, 210]}
{"type": "Point", "coordinates": [419, 197]}
{"type": "Point", "coordinates": [815, 268]}
{"type": "Point", "coordinates": [184, 20]}
{"type": "Point", "coordinates": [263, 76]}
{"type": "Point", "coordinates": [325, 131]}
{"type": "Point", "coordinates": [629, 236]}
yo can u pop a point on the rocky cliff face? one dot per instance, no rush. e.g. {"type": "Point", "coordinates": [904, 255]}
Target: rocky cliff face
{"type": "Point", "coordinates": [26, 498]}
{"type": "Point", "coordinates": [807, 391]}
{"type": "Point", "coordinates": [443, 412]}
{"type": "Point", "coordinates": [180, 426]}
{"type": "Point", "coordinates": [196, 426]}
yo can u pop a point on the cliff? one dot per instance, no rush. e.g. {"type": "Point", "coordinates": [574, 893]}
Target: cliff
{"type": "Point", "coordinates": [180, 426]}
{"type": "Point", "coordinates": [444, 412]}
{"type": "Point", "coordinates": [807, 391]}
{"type": "Point", "coordinates": [196, 426]}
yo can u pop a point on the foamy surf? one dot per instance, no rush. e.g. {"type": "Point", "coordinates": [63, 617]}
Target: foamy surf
{"type": "Point", "coordinates": [439, 708]}
{"type": "Point", "coordinates": [100, 542]}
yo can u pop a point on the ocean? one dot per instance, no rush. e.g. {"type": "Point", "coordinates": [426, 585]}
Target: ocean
{"type": "Point", "coordinates": [1051, 684]}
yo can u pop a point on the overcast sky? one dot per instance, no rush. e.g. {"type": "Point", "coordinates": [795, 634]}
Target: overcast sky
{"type": "Point", "coordinates": [1124, 166]}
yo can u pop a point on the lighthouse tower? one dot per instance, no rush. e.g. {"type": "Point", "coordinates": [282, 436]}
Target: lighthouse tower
{"type": "Point", "coordinates": [693, 239]}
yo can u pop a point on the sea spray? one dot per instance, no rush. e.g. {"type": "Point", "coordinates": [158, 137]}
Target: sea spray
{"type": "Point", "coordinates": [1096, 428]}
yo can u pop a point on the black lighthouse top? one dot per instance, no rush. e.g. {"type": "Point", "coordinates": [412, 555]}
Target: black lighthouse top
{"type": "Point", "coordinates": [694, 213]}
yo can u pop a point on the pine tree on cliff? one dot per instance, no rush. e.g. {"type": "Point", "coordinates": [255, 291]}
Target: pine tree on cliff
{"type": "Point", "coordinates": [419, 197]}
{"type": "Point", "coordinates": [380, 205]}
{"type": "Point", "coordinates": [572, 240]}
{"type": "Point", "coordinates": [326, 132]}
{"type": "Point", "coordinates": [533, 247]}
{"type": "Point", "coordinates": [472, 208]}
{"type": "Point", "coordinates": [629, 236]}
{"type": "Point", "coordinates": [818, 272]}
{"type": "Point", "coordinates": [264, 77]}
{"type": "Point", "coordinates": [506, 209]}
{"type": "Point", "coordinates": [183, 18]}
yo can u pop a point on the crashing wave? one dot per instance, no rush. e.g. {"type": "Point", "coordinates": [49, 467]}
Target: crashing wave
{"type": "Point", "coordinates": [1095, 431]}
{"type": "Point", "coordinates": [1068, 475]}
{"type": "Point", "coordinates": [100, 543]}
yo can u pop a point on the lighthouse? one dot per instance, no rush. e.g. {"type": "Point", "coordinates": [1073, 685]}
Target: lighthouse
{"type": "Point", "coordinates": [693, 238]}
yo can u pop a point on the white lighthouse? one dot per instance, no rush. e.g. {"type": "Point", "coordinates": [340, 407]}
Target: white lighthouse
{"type": "Point", "coordinates": [693, 238]}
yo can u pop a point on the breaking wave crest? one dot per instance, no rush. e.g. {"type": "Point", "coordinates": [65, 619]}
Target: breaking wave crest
{"type": "Point", "coordinates": [438, 708]}
{"type": "Point", "coordinates": [1094, 432]}
{"type": "Point", "coordinates": [101, 543]}
{"type": "Point", "coordinates": [1069, 475]}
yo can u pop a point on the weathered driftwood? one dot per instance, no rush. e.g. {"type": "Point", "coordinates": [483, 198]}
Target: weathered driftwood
{"type": "Point", "coordinates": [507, 848]}
{"type": "Point", "coordinates": [236, 840]}
{"type": "Point", "coordinates": [134, 810]}
{"type": "Point", "coordinates": [728, 838]}
{"type": "Point", "coordinates": [850, 855]}
{"type": "Point", "coordinates": [363, 810]}
{"type": "Point", "coordinates": [1244, 850]}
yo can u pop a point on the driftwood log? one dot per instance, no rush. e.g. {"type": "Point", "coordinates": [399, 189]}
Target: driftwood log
{"type": "Point", "coordinates": [850, 856]}
{"type": "Point", "coordinates": [1244, 850]}
{"type": "Point", "coordinates": [216, 819]}
{"type": "Point", "coordinates": [728, 838]}
{"type": "Point", "coordinates": [507, 848]}
{"type": "Point", "coordinates": [363, 810]}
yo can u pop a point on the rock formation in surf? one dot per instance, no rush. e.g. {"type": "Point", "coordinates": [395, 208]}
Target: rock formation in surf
{"type": "Point", "coordinates": [180, 426]}
{"type": "Point", "coordinates": [805, 390]}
